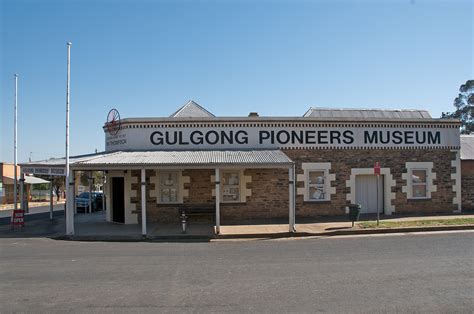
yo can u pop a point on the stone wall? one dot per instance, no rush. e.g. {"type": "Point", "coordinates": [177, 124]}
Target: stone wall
{"type": "Point", "coordinates": [269, 197]}
{"type": "Point", "coordinates": [343, 160]}
{"type": "Point", "coordinates": [467, 185]}
{"type": "Point", "coordinates": [269, 187]}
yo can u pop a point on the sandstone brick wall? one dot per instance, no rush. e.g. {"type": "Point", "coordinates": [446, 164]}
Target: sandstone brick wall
{"type": "Point", "coordinates": [200, 186]}
{"type": "Point", "coordinates": [467, 185]}
{"type": "Point", "coordinates": [343, 160]}
{"type": "Point", "coordinates": [269, 198]}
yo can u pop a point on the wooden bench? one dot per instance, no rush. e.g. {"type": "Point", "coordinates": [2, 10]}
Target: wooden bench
{"type": "Point", "coordinates": [198, 210]}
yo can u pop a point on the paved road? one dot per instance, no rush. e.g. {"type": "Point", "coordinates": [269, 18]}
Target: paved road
{"type": "Point", "coordinates": [430, 273]}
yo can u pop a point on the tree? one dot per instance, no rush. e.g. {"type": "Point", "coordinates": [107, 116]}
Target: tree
{"type": "Point", "coordinates": [97, 176]}
{"type": "Point", "coordinates": [58, 184]}
{"type": "Point", "coordinates": [464, 104]}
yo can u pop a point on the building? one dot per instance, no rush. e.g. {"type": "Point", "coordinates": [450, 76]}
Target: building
{"type": "Point", "coordinates": [7, 181]}
{"type": "Point", "coordinates": [467, 172]}
{"type": "Point", "coordinates": [253, 167]}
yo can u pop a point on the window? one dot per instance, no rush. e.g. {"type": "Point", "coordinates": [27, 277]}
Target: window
{"type": "Point", "coordinates": [169, 187]}
{"type": "Point", "coordinates": [316, 185]}
{"type": "Point", "coordinates": [419, 180]}
{"type": "Point", "coordinates": [230, 186]}
{"type": "Point", "coordinates": [316, 182]}
{"type": "Point", "coordinates": [419, 183]}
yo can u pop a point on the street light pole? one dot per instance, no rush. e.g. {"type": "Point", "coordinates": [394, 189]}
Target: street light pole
{"type": "Point", "coordinates": [15, 186]}
{"type": "Point", "coordinates": [69, 193]}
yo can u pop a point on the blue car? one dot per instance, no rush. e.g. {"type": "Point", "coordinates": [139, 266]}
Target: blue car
{"type": "Point", "coordinates": [82, 202]}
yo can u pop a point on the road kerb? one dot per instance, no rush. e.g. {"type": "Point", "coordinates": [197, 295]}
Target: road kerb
{"type": "Point", "coordinates": [261, 236]}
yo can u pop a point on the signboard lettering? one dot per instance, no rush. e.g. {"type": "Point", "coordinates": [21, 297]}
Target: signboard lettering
{"type": "Point", "coordinates": [283, 136]}
{"type": "Point", "coordinates": [18, 217]}
{"type": "Point", "coordinates": [44, 171]}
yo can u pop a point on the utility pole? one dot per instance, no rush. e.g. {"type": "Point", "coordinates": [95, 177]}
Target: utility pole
{"type": "Point", "coordinates": [15, 185]}
{"type": "Point", "coordinates": [69, 193]}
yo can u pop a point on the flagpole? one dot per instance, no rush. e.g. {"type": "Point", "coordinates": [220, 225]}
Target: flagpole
{"type": "Point", "coordinates": [15, 187]}
{"type": "Point", "coordinates": [69, 198]}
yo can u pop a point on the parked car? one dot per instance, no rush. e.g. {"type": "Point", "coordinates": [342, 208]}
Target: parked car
{"type": "Point", "coordinates": [82, 201]}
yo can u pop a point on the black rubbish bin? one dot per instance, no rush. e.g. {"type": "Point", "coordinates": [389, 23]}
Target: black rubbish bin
{"type": "Point", "coordinates": [354, 212]}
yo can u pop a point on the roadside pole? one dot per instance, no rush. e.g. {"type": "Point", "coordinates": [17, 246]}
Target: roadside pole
{"type": "Point", "coordinates": [378, 209]}
{"type": "Point", "coordinates": [69, 189]}
{"type": "Point", "coordinates": [51, 198]}
{"type": "Point", "coordinates": [89, 178]}
{"type": "Point", "coordinates": [15, 122]}
{"type": "Point", "coordinates": [377, 173]}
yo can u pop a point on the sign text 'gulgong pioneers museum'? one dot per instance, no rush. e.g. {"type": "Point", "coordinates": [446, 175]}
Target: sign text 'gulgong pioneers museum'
{"type": "Point", "coordinates": [256, 168]}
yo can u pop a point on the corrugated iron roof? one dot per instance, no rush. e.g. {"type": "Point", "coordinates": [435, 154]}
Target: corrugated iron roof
{"type": "Point", "coordinates": [188, 159]}
{"type": "Point", "coordinates": [467, 147]}
{"type": "Point", "coordinates": [60, 162]}
{"type": "Point", "coordinates": [28, 180]}
{"type": "Point", "coordinates": [367, 113]}
{"type": "Point", "coordinates": [182, 159]}
{"type": "Point", "coordinates": [192, 110]}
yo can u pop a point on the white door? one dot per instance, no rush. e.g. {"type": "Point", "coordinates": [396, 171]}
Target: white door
{"type": "Point", "coordinates": [366, 193]}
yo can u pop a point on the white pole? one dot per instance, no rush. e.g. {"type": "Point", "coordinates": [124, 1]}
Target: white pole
{"type": "Point", "coordinates": [15, 187]}
{"type": "Point", "coordinates": [143, 181]}
{"type": "Point", "coordinates": [89, 178]}
{"type": "Point", "coordinates": [378, 210]}
{"type": "Point", "coordinates": [291, 187]}
{"type": "Point", "coordinates": [218, 201]}
{"type": "Point", "coordinates": [69, 193]}
{"type": "Point", "coordinates": [51, 197]}
{"type": "Point", "coordinates": [22, 191]}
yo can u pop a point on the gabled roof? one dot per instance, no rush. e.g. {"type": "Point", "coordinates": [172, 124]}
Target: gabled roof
{"type": "Point", "coordinates": [467, 147]}
{"type": "Point", "coordinates": [192, 110]}
{"type": "Point", "coordinates": [367, 113]}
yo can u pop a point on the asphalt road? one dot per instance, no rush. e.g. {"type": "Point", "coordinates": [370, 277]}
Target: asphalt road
{"type": "Point", "coordinates": [429, 273]}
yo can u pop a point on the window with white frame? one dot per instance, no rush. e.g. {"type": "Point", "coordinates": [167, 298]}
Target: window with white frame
{"type": "Point", "coordinates": [230, 185]}
{"type": "Point", "coordinates": [317, 190]}
{"type": "Point", "coordinates": [419, 180]}
{"type": "Point", "coordinates": [169, 187]}
{"type": "Point", "coordinates": [419, 183]}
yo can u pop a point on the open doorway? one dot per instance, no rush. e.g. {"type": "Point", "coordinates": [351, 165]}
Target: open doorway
{"type": "Point", "coordinates": [118, 200]}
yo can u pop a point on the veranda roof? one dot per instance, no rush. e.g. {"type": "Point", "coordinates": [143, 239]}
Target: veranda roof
{"type": "Point", "coordinates": [199, 159]}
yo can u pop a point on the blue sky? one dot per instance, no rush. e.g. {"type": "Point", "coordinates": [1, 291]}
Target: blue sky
{"type": "Point", "coordinates": [147, 58]}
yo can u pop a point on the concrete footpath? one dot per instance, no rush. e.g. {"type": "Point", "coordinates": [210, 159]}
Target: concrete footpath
{"type": "Point", "coordinates": [34, 208]}
{"type": "Point", "coordinates": [93, 227]}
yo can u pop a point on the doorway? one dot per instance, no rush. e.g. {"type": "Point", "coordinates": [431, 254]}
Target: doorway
{"type": "Point", "coordinates": [118, 201]}
{"type": "Point", "coordinates": [366, 193]}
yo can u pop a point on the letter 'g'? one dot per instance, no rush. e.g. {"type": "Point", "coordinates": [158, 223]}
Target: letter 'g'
{"type": "Point", "coordinates": [156, 138]}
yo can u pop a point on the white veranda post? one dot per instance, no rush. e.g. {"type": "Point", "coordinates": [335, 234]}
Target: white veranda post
{"type": "Point", "coordinates": [143, 191]}
{"type": "Point", "coordinates": [291, 201]}
{"type": "Point", "coordinates": [218, 200]}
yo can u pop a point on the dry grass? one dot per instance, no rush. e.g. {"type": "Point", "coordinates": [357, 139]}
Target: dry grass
{"type": "Point", "coordinates": [416, 223]}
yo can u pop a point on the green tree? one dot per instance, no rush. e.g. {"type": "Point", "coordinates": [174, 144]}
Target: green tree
{"type": "Point", "coordinates": [464, 105]}
{"type": "Point", "coordinates": [58, 184]}
{"type": "Point", "coordinates": [97, 176]}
